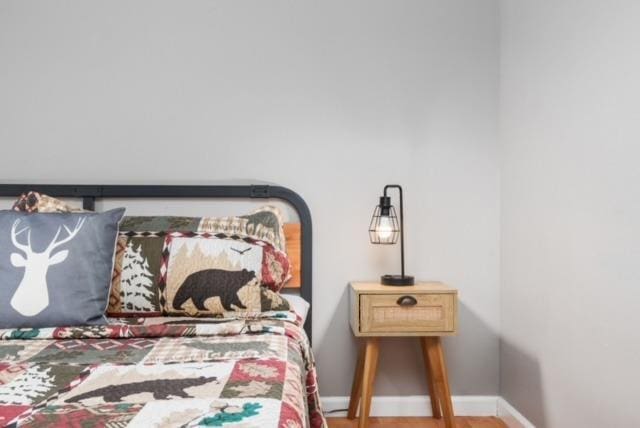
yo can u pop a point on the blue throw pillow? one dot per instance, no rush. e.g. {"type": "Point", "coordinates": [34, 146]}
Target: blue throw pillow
{"type": "Point", "coordinates": [55, 269]}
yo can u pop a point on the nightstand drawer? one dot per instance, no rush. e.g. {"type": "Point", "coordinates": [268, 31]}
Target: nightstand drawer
{"type": "Point", "coordinates": [405, 313]}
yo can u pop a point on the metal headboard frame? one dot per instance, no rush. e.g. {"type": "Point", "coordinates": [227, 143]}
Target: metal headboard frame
{"type": "Point", "coordinates": [89, 194]}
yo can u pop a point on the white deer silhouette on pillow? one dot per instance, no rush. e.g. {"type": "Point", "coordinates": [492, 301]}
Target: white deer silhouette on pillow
{"type": "Point", "coordinates": [32, 295]}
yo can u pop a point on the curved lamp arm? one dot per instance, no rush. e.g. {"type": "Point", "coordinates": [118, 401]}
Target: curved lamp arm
{"type": "Point", "coordinates": [397, 186]}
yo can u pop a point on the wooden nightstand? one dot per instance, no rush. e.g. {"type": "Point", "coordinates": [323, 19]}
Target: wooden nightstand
{"type": "Point", "coordinates": [425, 310]}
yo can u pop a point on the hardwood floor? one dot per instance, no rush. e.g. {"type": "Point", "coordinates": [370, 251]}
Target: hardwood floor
{"type": "Point", "coordinates": [461, 422]}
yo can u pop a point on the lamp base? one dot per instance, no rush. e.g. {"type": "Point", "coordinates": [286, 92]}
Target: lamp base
{"type": "Point", "coordinates": [397, 280]}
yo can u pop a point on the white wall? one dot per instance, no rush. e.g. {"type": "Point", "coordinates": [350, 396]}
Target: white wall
{"type": "Point", "coordinates": [333, 99]}
{"type": "Point", "coordinates": [570, 109]}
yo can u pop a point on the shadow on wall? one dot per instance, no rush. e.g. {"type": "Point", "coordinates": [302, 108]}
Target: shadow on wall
{"type": "Point", "coordinates": [519, 368]}
{"type": "Point", "coordinates": [473, 354]}
{"type": "Point", "coordinates": [471, 358]}
{"type": "Point", "coordinates": [336, 356]}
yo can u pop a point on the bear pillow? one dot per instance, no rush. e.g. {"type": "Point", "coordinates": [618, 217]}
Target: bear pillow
{"type": "Point", "coordinates": [178, 266]}
{"type": "Point", "coordinates": [219, 292]}
{"type": "Point", "coordinates": [208, 275]}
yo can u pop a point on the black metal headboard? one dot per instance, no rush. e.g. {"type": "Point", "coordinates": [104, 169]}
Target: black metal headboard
{"type": "Point", "coordinates": [89, 194]}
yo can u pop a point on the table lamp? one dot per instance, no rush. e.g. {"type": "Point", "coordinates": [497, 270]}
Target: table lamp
{"type": "Point", "coordinates": [384, 229]}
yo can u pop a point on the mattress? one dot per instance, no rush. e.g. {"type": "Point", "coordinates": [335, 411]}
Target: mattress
{"type": "Point", "coordinates": [256, 371]}
{"type": "Point", "coordinates": [299, 305]}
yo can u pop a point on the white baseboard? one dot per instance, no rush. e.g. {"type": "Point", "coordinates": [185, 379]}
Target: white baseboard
{"type": "Point", "coordinates": [512, 417]}
{"type": "Point", "coordinates": [416, 405]}
{"type": "Point", "coordinates": [419, 405]}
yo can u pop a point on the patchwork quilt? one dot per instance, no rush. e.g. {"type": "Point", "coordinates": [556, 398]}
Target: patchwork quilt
{"type": "Point", "coordinates": [254, 371]}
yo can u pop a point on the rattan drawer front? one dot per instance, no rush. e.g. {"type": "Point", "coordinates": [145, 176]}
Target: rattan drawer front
{"type": "Point", "coordinates": [382, 313]}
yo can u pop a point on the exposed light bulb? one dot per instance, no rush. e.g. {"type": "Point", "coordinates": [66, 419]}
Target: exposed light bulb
{"type": "Point", "coordinates": [385, 228]}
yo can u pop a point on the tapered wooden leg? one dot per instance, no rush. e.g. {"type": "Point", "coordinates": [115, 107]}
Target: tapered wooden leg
{"type": "Point", "coordinates": [368, 378]}
{"type": "Point", "coordinates": [433, 395]}
{"type": "Point", "coordinates": [440, 378]}
{"type": "Point", "coordinates": [356, 388]}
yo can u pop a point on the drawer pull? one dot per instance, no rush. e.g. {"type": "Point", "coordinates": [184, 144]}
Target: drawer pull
{"type": "Point", "coordinates": [407, 301]}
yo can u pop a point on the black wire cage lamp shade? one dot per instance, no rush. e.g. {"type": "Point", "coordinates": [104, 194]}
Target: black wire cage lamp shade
{"type": "Point", "coordinates": [384, 229]}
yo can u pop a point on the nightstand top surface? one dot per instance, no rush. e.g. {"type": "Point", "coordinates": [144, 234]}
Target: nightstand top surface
{"type": "Point", "coordinates": [376, 287]}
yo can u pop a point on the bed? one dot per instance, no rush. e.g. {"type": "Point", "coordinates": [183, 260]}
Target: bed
{"type": "Point", "coordinates": [251, 371]}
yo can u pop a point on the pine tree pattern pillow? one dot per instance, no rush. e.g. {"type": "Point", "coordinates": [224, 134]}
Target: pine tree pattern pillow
{"type": "Point", "coordinates": [136, 272]}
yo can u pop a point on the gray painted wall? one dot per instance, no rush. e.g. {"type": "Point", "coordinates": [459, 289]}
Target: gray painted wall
{"type": "Point", "coordinates": [570, 211]}
{"type": "Point", "coordinates": [333, 99]}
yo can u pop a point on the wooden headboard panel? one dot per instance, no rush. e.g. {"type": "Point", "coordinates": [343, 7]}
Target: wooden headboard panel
{"type": "Point", "coordinates": [294, 251]}
{"type": "Point", "coordinates": [297, 235]}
